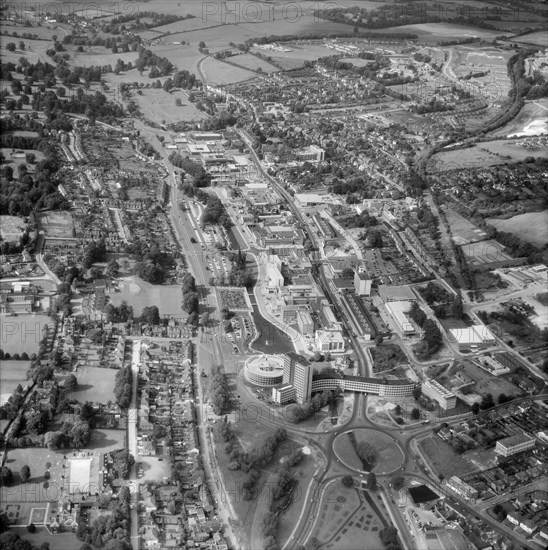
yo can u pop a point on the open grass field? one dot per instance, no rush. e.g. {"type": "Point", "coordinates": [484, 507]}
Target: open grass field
{"type": "Point", "coordinates": [248, 61]}
{"type": "Point", "coordinates": [442, 458]}
{"type": "Point", "coordinates": [300, 52]}
{"type": "Point", "coordinates": [346, 453]}
{"type": "Point", "coordinates": [490, 153]}
{"type": "Point", "coordinates": [346, 520]}
{"type": "Point", "coordinates": [531, 120]}
{"type": "Point", "coordinates": [485, 383]}
{"type": "Point", "coordinates": [139, 294]}
{"type": "Point", "coordinates": [159, 106]}
{"type": "Point", "coordinates": [22, 333]}
{"type": "Point", "coordinates": [12, 373]}
{"type": "Point", "coordinates": [463, 231]}
{"type": "Point", "coordinates": [531, 227]}
{"type": "Point", "coordinates": [223, 73]}
{"type": "Point", "coordinates": [485, 252]}
{"type": "Point", "coordinates": [94, 384]}
{"type": "Point", "coordinates": [63, 541]}
{"type": "Point", "coordinates": [389, 454]}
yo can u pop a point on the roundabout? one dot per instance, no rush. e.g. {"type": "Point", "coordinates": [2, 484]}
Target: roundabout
{"type": "Point", "coordinates": [389, 456]}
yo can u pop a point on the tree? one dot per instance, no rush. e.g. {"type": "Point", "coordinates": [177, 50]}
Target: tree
{"type": "Point", "coordinates": [31, 528]}
{"type": "Point", "coordinates": [487, 401]}
{"type": "Point", "coordinates": [476, 408]}
{"type": "Point", "coordinates": [202, 44]}
{"type": "Point", "coordinates": [71, 381]}
{"type": "Point", "coordinates": [24, 472]}
{"type": "Point", "coordinates": [367, 453]}
{"type": "Point", "coordinates": [415, 414]}
{"type": "Point", "coordinates": [6, 477]}
{"type": "Point", "coordinates": [371, 481]}
{"type": "Point", "coordinates": [4, 522]}
{"type": "Point", "coordinates": [417, 392]}
{"type": "Point", "coordinates": [151, 315]}
{"type": "Point", "coordinates": [347, 481]}
{"type": "Point", "coordinates": [190, 302]}
{"type": "Point", "coordinates": [11, 47]}
{"type": "Point", "coordinates": [113, 268]}
{"type": "Point", "coordinates": [397, 410]}
{"type": "Point", "coordinates": [398, 482]}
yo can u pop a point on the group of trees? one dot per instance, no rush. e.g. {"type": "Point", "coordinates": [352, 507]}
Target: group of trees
{"type": "Point", "coordinates": [94, 252]}
{"type": "Point", "coordinates": [151, 315]}
{"type": "Point", "coordinates": [12, 541]}
{"type": "Point", "coordinates": [191, 302]}
{"type": "Point", "coordinates": [151, 272]}
{"type": "Point", "coordinates": [160, 66]}
{"type": "Point", "coordinates": [200, 176]}
{"type": "Point", "coordinates": [432, 339]}
{"type": "Point", "coordinates": [123, 387]}
{"type": "Point", "coordinates": [219, 393]}
{"type": "Point", "coordinates": [389, 537]}
{"type": "Point", "coordinates": [119, 314]}
{"type": "Point", "coordinates": [72, 435]}
{"type": "Point", "coordinates": [123, 460]}
{"type": "Point", "coordinates": [110, 532]}
{"type": "Point", "coordinates": [31, 192]}
{"type": "Point", "coordinates": [298, 413]}
{"type": "Point", "coordinates": [239, 274]}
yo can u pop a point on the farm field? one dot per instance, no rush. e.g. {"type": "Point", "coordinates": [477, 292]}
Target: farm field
{"type": "Point", "coordinates": [139, 294]}
{"type": "Point", "coordinates": [22, 333]}
{"type": "Point", "coordinates": [439, 32]}
{"type": "Point", "coordinates": [463, 231]}
{"type": "Point", "coordinates": [94, 384]}
{"type": "Point", "coordinates": [531, 227]}
{"type": "Point", "coordinates": [12, 373]}
{"type": "Point", "coordinates": [347, 520]}
{"type": "Point", "coordinates": [442, 458]}
{"type": "Point", "coordinates": [530, 121]}
{"type": "Point", "coordinates": [248, 61]}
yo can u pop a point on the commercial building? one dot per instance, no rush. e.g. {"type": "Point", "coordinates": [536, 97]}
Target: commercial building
{"type": "Point", "coordinates": [362, 284]}
{"type": "Point", "coordinates": [264, 370]}
{"type": "Point", "coordinates": [446, 398]}
{"type": "Point", "coordinates": [311, 153]}
{"type": "Point", "coordinates": [297, 374]}
{"type": "Point", "coordinates": [396, 294]}
{"type": "Point", "coordinates": [331, 341]}
{"type": "Point", "coordinates": [474, 336]}
{"type": "Point", "coordinates": [305, 323]}
{"type": "Point", "coordinates": [398, 311]}
{"type": "Point", "coordinates": [462, 488]}
{"type": "Point", "coordinates": [361, 384]}
{"type": "Point", "coordinates": [514, 444]}
{"type": "Point", "coordinates": [284, 394]}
